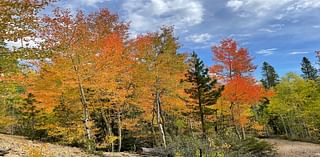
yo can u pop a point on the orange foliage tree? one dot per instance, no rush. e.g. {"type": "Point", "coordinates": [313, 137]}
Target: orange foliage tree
{"type": "Point", "coordinates": [233, 67]}
{"type": "Point", "coordinates": [230, 60]}
{"type": "Point", "coordinates": [158, 72]}
{"type": "Point", "coordinates": [77, 45]}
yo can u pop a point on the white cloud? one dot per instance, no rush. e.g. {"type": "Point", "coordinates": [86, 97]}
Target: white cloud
{"type": "Point", "coordinates": [235, 4]}
{"type": "Point", "coordinates": [298, 53]}
{"type": "Point", "coordinates": [149, 15]}
{"type": "Point", "coordinates": [246, 35]}
{"type": "Point", "coordinates": [27, 43]}
{"type": "Point", "coordinates": [199, 38]}
{"type": "Point", "coordinates": [278, 9]}
{"type": "Point", "coordinates": [302, 5]}
{"type": "Point", "coordinates": [256, 7]}
{"type": "Point", "coordinates": [267, 30]}
{"type": "Point", "coordinates": [267, 52]}
{"type": "Point", "coordinates": [92, 2]}
{"type": "Point", "coordinates": [278, 25]}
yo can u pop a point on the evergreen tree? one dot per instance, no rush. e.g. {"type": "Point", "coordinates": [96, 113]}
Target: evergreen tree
{"type": "Point", "coordinates": [309, 72]}
{"type": "Point", "coordinates": [269, 76]}
{"type": "Point", "coordinates": [29, 116]}
{"type": "Point", "coordinates": [318, 61]}
{"type": "Point", "coordinates": [65, 116]}
{"type": "Point", "coordinates": [203, 90]}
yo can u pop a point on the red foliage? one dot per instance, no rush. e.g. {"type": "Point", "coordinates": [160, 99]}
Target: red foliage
{"type": "Point", "coordinates": [231, 60]}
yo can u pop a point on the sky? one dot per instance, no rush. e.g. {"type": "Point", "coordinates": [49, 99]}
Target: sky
{"type": "Point", "coordinates": [279, 32]}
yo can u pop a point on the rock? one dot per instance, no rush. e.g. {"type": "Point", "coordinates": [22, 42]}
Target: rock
{"type": "Point", "coordinates": [4, 152]}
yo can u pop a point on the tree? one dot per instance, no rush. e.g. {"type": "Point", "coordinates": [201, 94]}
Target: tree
{"type": "Point", "coordinates": [203, 91]}
{"type": "Point", "coordinates": [116, 83]}
{"type": "Point", "coordinates": [230, 60]}
{"type": "Point", "coordinates": [309, 72]}
{"type": "Point", "coordinates": [18, 22]}
{"type": "Point", "coordinates": [233, 67]}
{"type": "Point", "coordinates": [64, 122]}
{"type": "Point", "coordinates": [295, 103]}
{"type": "Point", "coordinates": [318, 57]}
{"type": "Point", "coordinates": [269, 76]}
{"type": "Point", "coordinates": [269, 80]}
{"type": "Point", "coordinates": [76, 45]}
{"type": "Point", "coordinates": [241, 94]}
{"type": "Point", "coordinates": [29, 116]}
{"type": "Point", "coordinates": [19, 18]}
{"type": "Point", "coordinates": [159, 69]}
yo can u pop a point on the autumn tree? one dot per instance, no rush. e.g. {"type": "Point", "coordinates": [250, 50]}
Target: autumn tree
{"type": "Point", "coordinates": [233, 66]}
{"type": "Point", "coordinates": [295, 103]}
{"type": "Point", "coordinates": [20, 18]}
{"type": "Point", "coordinates": [309, 72]}
{"type": "Point", "coordinates": [159, 69]}
{"type": "Point", "coordinates": [116, 88]}
{"type": "Point", "coordinates": [230, 61]}
{"type": "Point", "coordinates": [241, 94]}
{"type": "Point", "coordinates": [18, 23]}
{"type": "Point", "coordinates": [75, 43]}
{"type": "Point", "coordinates": [269, 76]}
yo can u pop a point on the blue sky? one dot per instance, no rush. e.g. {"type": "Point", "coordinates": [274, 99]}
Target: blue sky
{"type": "Point", "coordinates": [280, 32]}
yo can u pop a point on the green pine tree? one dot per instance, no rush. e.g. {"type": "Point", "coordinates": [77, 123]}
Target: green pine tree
{"type": "Point", "coordinates": [203, 90]}
{"type": "Point", "coordinates": [309, 72]}
{"type": "Point", "coordinates": [29, 116]}
{"type": "Point", "coordinates": [269, 76]}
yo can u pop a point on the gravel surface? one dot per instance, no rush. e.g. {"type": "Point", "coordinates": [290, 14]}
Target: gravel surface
{"type": "Point", "coordinates": [287, 148]}
{"type": "Point", "coordinates": [18, 146]}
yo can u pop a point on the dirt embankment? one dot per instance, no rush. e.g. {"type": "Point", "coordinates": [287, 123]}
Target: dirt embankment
{"type": "Point", "coordinates": [287, 148]}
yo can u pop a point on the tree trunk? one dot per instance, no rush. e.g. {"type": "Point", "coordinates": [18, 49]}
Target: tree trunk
{"type": "Point", "coordinates": [202, 121]}
{"type": "Point", "coordinates": [191, 127]}
{"type": "Point", "coordinates": [85, 112]}
{"type": "Point", "coordinates": [267, 130]}
{"type": "Point", "coordinates": [108, 125]}
{"type": "Point", "coordinates": [160, 120]}
{"type": "Point", "coordinates": [152, 129]}
{"type": "Point", "coordinates": [305, 128]}
{"type": "Point", "coordinates": [84, 104]}
{"type": "Point", "coordinates": [233, 121]}
{"type": "Point", "coordinates": [112, 142]}
{"type": "Point", "coordinates": [243, 133]}
{"type": "Point", "coordinates": [119, 131]}
{"type": "Point", "coordinates": [284, 126]}
{"type": "Point", "coordinates": [201, 115]}
{"type": "Point", "coordinates": [237, 132]}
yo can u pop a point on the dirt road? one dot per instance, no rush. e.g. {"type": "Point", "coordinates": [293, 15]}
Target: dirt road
{"type": "Point", "coordinates": [287, 148]}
